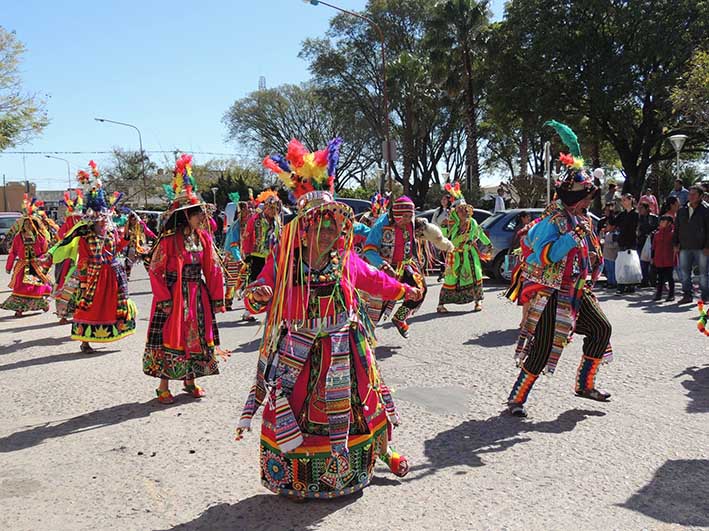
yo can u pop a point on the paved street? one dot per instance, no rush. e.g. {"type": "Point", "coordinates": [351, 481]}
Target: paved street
{"type": "Point", "coordinates": [84, 444]}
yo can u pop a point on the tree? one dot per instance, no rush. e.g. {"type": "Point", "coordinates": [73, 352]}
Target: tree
{"type": "Point", "coordinates": [21, 115]}
{"type": "Point", "coordinates": [610, 66]}
{"type": "Point", "coordinates": [266, 120]}
{"type": "Point", "coordinates": [691, 97]}
{"type": "Point", "coordinates": [455, 32]}
{"type": "Point", "coordinates": [124, 173]}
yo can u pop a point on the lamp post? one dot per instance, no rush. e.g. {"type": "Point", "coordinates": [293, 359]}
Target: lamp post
{"type": "Point", "coordinates": [387, 148]}
{"type": "Point", "coordinates": [142, 154]}
{"type": "Point", "coordinates": [677, 142]}
{"type": "Point", "coordinates": [547, 168]}
{"type": "Point", "coordinates": [68, 169]}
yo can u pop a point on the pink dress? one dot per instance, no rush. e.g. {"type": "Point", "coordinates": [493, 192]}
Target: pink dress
{"type": "Point", "coordinates": [182, 344]}
{"type": "Point", "coordinates": [30, 284]}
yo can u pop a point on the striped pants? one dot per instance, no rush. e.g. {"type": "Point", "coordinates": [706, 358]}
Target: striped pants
{"type": "Point", "coordinates": [591, 323]}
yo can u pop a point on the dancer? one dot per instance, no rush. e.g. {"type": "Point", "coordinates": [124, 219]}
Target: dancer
{"type": "Point", "coordinates": [188, 286]}
{"type": "Point", "coordinates": [562, 251]}
{"type": "Point", "coordinates": [135, 241]}
{"type": "Point", "coordinates": [463, 277]}
{"type": "Point", "coordinates": [392, 247]}
{"type": "Point", "coordinates": [232, 252]}
{"type": "Point", "coordinates": [262, 233]}
{"type": "Point", "coordinates": [29, 282]}
{"type": "Point", "coordinates": [66, 282]}
{"type": "Point", "coordinates": [328, 414]}
{"type": "Point", "coordinates": [103, 313]}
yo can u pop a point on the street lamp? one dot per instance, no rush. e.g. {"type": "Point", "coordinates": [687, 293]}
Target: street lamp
{"type": "Point", "coordinates": [214, 195]}
{"type": "Point", "coordinates": [142, 154]}
{"type": "Point", "coordinates": [677, 142]}
{"type": "Point", "coordinates": [68, 169]}
{"type": "Point", "coordinates": [388, 148]}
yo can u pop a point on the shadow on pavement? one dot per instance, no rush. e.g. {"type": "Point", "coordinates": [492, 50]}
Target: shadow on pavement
{"type": "Point", "coordinates": [70, 356]}
{"type": "Point", "coordinates": [18, 344]}
{"type": "Point", "coordinates": [251, 346]}
{"type": "Point", "coordinates": [677, 494]}
{"type": "Point", "coordinates": [495, 338]}
{"type": "Point", "coordinates": [697, 388]}
{"type": "Point", "coordinates": [266, 512]}
{"type": "Point", "coordinates": [109, 416]}
{"type": "Point", "coordinates": [466, 443]}
{"type": "Point", "coordinates": [37, 326]}
{"type": "Point", "coordinates": [382, 353]}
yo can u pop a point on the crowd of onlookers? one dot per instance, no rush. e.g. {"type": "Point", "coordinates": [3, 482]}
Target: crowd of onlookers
{"type": "Point", "coordinates": [669, 241]}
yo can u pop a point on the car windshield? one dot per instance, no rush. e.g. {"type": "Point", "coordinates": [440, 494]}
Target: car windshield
{"type": "Point", "coordinates": [489, 222]}
{"type": "Point", "coordinates": [6, 223]}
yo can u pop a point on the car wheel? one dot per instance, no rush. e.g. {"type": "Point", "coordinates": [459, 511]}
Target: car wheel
{"type": "Point", "coordinates": [498, 265]}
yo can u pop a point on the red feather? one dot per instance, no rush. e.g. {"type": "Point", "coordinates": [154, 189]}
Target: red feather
{"type": "Point", "coordinates": [320, 157]}
{"type": "Point", "coordinates": [566, 159]}
{"type": "Point", "coordinates": [296, 152]}
{"type": "Point", "coordinates": [271, 165]}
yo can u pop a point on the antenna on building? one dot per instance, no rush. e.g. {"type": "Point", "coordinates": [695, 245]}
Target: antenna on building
{"type": "Point", "coordinates": [262, 83]}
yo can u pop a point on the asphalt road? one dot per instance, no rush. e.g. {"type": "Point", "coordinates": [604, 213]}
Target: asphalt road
{"type": "Point", "coordinates": [84, 444]}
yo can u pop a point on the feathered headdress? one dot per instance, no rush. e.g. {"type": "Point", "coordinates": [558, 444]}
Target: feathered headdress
{"type": "Point", "coordinates": [74, 207]}
{"type": "Point", "coordinates": [96, 204]}
{"type": "Point", "coordinates": [267, 197]}
{"type": "Point", "coordinates": [380, 204]}
{"type": "Point", "coordinates": [576, 183]}
{"type": "Point", "coordinates": [182, 194]}
{"type": "Point", "coordinates": [31, 207]}
{"type": "Point", "coordinates": [455, 193]}
{"type": "Point", "coordinates": [309, 176]}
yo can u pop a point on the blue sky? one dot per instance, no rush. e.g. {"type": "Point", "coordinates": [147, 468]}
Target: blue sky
{"type": "Point", "coordinates": [168, 67]}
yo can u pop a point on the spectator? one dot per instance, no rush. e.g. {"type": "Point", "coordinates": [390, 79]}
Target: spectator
{"type": "Point", "coordinates": [647, 224]}
{"type": "Point", "coordinates": [613, 196]}
{"type": "Point", "coordinates": [500, 200]}
{"type": "Point", "coordinates": [627, 223]}
{"type": "Point", "coordinates": [670, 208]}
{"type": "Point", "coordinates": [596, 205]}
{"type": "Point", "coordinates": [651, 200]}
{"type": "Point", "coordinates": [663, 258]}
{"type": "Point", "coordinates": [691, 240]}
{"type": "Point", "coordinates": [680, 192]}
{"type": "Point", "coordinates": [610, 246]}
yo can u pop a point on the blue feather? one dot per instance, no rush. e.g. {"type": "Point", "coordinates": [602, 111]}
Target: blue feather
{"type": "Point", "coordinates": [333, 155]}
{"type": "Point", "coordinates": [282, 162]}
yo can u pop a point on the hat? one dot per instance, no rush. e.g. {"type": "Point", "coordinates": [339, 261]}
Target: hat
{"type": "Point", "coordinates": [97, 204]}
{"type": "Point", "coordinates": [310, 177]}
{"type": "Point", "coordinates": [576, 183]}
{"type": "Point", "coordinates": [402, 205]}
{"type": "Point", "coordinates": [456, 195]}
{"type": "Point", "coordinates": [182, 193]}
{"type": "Point", "coordinates": [379, 204]}
{"type": "Point", "coordinates": [74, 207]}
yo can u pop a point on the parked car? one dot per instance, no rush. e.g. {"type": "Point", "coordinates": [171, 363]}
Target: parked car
{"type": "Point", "coordinates": [500, 229]}
{"type": "Point", "coordinates": [479, 214]}
{"type": "Point", "coordinates": [7, 220]}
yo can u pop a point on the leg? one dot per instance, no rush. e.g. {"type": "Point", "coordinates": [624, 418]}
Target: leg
{"type": "Point", "coordinates": [536, 359]}
{"type": "Point", "coordinates": [163, 392]}
{"type": "Point", "coordinates": [398, 464]}
{"type": "Point", "coordinates": [596, 329]}
{"type": "Point", "coordinates": [703, 275]}
{"type": "Point", "coordinates": [192, 388]}
{"type": "Point", "coordinates": [659, 284]}
{"type": "Point", "coordinates": [669, 274]}
{"type": "Point", "coordinates": [686, 261]}
{"type": "Point", "coordinates": [610, 273]}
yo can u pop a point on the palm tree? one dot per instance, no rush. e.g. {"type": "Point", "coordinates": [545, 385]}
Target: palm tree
{"type": "Point", "coordinates": [455, 40]}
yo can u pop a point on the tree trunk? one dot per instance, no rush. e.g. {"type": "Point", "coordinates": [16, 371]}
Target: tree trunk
{"type": "Point", "coordinates": [523, 153]}
{"type": "Point", "coordinates": [471, 130]}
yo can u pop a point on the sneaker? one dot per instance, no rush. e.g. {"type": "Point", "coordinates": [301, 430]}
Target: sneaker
{"type": "Point", "coordinates": [657, 297]}
{"type": "Point", "coordinates": [670, 298]}
{"type": "Point", "coordinates": [517, 410]}
{"type": "Point", "coordinates": [686, 299]}
{"type": "Point", "coordinates": [402, 327]}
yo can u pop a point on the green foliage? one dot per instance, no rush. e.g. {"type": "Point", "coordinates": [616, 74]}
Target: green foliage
{"type": "Point", "coordinates": [21, 115]}
{"type": "Point", "coordinates": [691, 96]}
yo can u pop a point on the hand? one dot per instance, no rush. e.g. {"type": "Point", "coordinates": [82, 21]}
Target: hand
{"type": "Point", "coordinates": [593, 258]}
{"type": "Point", "coordinates": [239, 433]}
{"type": "Point", "coordinates": [220, 309]}
{"type": "Point", "coordinates": [167, 310]}
{"type": "Point", "coordinates": [262, 293]}
{"type": "Point", "coordinates": [414, 294]}
{"type": "Point", "coordinates": [386, 267]}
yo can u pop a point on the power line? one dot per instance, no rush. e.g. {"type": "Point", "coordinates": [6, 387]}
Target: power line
{"type": "Point", "coordinates": [108, 153]}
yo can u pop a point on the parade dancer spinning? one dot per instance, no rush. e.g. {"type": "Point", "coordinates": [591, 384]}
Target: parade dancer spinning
{"type": "Point", "coordinates": [561, 251]}
{"type": "Point", "coordinates": [328, 415]}
{"type": "Point", "coordinates": [463, 282]}
{"type": "Point", "coordinates": [66, 281]}
{"type": "Point", "coordinates": [29, 282]}
{"type": "Point", "coordinates": [188, 286]}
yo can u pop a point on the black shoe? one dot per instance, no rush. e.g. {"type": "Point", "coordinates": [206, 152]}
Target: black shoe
{"type": "Point", "coordinates": [657, 297]}
{"type": "Point", "coordinates": [670, 297]}
{"type": "Point", "coordinates": [687, 299]}
{"type": "Point", "coordinates": [594, 394]}
{"type": "Point", "coordinates": [517, 410]}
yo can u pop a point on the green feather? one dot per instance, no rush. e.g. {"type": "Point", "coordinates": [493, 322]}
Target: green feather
{"type": "Point", "coordinates": [234, 197]}
{"type": "Point", "coordinates": [567, 135]}
{"type": "Point", "coordinates": [169, 192]}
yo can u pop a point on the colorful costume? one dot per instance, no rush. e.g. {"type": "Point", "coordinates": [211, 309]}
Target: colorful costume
{"type": "Point", "coordinates": [389, 243]}
{"type": "Point", "coordinates": [29, 282]}
{"type": "Point", "coordinates": [560, 251]}
{"type": "Point", "coordinates": [233, 261]}
{"type": "Point", "coordinates": [134, 245]}
{"type": "Point", "coordinates": [188, 286]}
{"type": "Point", "coordinates": [463, 282]}
{"type": "Point", "coordinates": [261, 235]}
{"type": "Point", "coordinates": [328, 415]}
{"type": "Point", "coordinates": [103, 313]}
{"type": "Point", "coordinates": [67, 282]}
{"type": "Point", "coordinates": [702, 323]}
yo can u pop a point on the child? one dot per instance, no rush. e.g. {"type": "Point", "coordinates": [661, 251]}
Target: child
{"type": "Point", "coordinates": [664, 257]}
